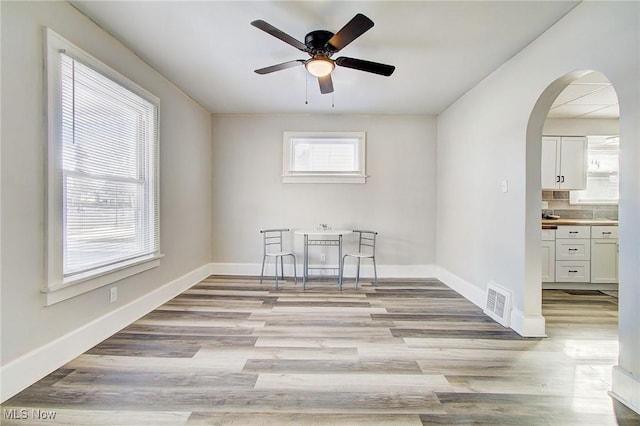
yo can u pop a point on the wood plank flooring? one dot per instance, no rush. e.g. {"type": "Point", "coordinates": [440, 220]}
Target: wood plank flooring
{"type": "Point", "coordinates": [230, 351]}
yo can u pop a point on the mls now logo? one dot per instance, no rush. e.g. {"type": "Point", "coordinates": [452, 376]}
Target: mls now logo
{"type": "Point", "coordinates": [24, 414]}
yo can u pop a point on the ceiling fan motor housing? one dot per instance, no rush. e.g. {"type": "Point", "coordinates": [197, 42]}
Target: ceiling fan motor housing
{"type": "Point", "coordinates": [318, 42]}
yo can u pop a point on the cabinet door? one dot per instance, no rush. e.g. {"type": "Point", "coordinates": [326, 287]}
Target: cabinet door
{"type": "Point", "coordinates": [604, 260]}
{"type": "Point", "coordinates": [548, 255]}
{"type": "Point", "coordinates": [573, 163]}
{"type": "Point", "coordinates": [550, 163]}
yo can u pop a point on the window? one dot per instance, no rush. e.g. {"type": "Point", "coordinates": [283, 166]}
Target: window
{"type": "Point", "coordinates": [602, 172]}
{"type": "Point", "coordinates": [103, 218]}
{"type": "Point", "coordinates": [323, 157]}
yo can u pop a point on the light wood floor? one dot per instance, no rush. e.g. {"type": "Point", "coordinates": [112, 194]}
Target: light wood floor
{"type": "Point", "coordinates": [231, 351]}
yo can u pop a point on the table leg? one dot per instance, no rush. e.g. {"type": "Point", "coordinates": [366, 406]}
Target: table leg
{"type": "Point", "coordinates": [305, 262]}
{"type": "Point", "coordinates": [340, 261]}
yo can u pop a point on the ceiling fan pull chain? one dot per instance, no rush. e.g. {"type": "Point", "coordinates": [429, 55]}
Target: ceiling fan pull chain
{"type": "Point", "coordinates": [306, 88]}
{"type": "Point", "coordinates": [333, 98]}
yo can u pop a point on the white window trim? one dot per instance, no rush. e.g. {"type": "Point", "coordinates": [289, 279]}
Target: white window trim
{"type": "Point", "coordinates": [56, 287]}
{"type": "Point", "coordinates": [574, 196]}
{"type": "Point", "coordinates": [290, 176]}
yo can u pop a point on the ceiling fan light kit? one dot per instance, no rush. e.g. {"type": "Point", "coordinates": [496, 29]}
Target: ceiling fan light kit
{"type": "Point", "coordinates": [320, 45]}
{"type": "Point", "coordinates": [319, 66]}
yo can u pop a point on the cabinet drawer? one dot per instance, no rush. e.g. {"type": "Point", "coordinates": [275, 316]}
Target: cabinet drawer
{"type": "Point", "coordinates": [604, 232]}
{"type": "Point", "coordinates": [570, 271]}
{"type": "Point", "coordinates": [573, 249]}
{"type": "Point", "coordinates": [548, 234]}
{"type": "Point", "coordinates": [573, 232]}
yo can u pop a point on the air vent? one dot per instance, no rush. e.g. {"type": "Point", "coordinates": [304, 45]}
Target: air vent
{"type": "Point", "coordinates": [498, 304]}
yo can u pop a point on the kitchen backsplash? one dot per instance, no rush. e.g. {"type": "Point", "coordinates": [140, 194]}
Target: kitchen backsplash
{"type": "Point", "coordinates": [559, 205]}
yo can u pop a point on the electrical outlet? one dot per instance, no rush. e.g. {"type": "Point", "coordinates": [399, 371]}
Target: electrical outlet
{"type": "Point", "coordinates": [113, 294]}
{"type": "Point", "coordinates": [323, 257]}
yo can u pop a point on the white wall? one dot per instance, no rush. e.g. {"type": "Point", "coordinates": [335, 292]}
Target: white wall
{"type": "Point", "coordinates": [487, 136]}
{"type": "Point", "coordinates": [185, 170]}
{"type": "Point", "coordinates": [398, 199]}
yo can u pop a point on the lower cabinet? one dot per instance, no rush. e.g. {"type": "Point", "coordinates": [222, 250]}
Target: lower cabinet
{"type": "Point", "coordinates": [604, 254]}
{"type": "Point", "coordinates": [548, 255]}
{"type": "Point", "coordinates": [580, 254]}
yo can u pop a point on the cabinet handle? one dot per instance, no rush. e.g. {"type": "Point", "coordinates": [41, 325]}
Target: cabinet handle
{"type": "Point", "coordinates": [571, 270]}
{"type": "Point", "coordinates": [562, 180]}
{"type": "Point", "coordinates": [606, 233]}
{"type": "Point", "coordinates": [573, 249]}
{"type": "Point", "coordinates": [573, 232]}
{"type": "Point", "coordinates": [558, 179]}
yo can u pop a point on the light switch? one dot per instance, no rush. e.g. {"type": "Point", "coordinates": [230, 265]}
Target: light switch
{"type": "Point", "coordinates": [504, 185]}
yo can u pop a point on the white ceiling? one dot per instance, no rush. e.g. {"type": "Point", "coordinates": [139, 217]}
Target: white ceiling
{"type": "Point", "coordinates": [440, 49]}
{"type": "Point", "coordinates": [591, 96]}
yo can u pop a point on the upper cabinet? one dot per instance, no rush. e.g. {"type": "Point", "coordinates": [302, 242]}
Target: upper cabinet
{"type": "Point", "coordinates": [564, 162]}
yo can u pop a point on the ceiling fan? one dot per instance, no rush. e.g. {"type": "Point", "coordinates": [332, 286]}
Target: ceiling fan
{"type": "Point", "coordinates": [321, 45]}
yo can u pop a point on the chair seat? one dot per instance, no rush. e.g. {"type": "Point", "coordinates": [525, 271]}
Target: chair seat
{"type": "Point", "coordinates": [279, 253]}
{"type": "Point", "coordinates": [360, 255]}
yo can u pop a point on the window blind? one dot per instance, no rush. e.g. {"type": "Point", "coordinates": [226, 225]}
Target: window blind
{"type": "Point", "coordinates": [324, 155]}
{"type": "Point", "coordinates": [109, 172]}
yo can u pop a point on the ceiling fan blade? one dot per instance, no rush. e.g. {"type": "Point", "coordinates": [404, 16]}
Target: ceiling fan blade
{"type": "Point", "coordinates": [278, 67]}
{"type": "Point", "coordinates": [368, 66]}
{"type": "Point", "coordinates": [326, 84]}
{"type": "Point", "coordinates": [357, 26]}
{"type": "Point", "coordinates": [270, 29]}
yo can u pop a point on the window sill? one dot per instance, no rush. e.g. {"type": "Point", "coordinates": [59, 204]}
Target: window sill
{"type": "Point", "coordinates": [80, 285]}
{"type": "Point", "coordinates": [324, 178]}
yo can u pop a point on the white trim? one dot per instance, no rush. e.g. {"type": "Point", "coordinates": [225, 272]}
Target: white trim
{"type": "Point", "coordinates": [468, 290]}
{"type": "Point", "coordinates": [355, 176]}
{"type": "Point", "coordinates": [319, 178]}
{"type": "Point", "coordinates": [626, 388]}
{"type": "Point", "coordinates": [527, 325]}
{"type": "Point", "coordinates": [366, 270]}
{"type": "Point", "coordinates": [76, 288]}
{"type": "Point", "coordinates": [31, 367]}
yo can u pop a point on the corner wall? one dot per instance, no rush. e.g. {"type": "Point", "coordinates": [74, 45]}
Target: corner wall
{"type": "Point", "coordinates": [485, 138]}
{"type": "Point", "coordinates": [28, 327]}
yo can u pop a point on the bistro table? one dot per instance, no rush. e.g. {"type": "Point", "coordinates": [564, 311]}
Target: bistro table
{"type": "Point", "coordinates": [323, 237]}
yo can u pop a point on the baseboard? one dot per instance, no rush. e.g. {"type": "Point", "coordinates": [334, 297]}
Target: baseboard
{"type": "Point", "coordinates": [626, 388]}
{"type": "Point", "coordinates": [469, 290]}
{"type": "Point", "coordinates": [366, 270]}
{"type": "Point", "coordinates": [31, 367]}
{"type": "Point", "coordinates": [579, 286]}
{"type": "Point", "coordinates": [528, 325]}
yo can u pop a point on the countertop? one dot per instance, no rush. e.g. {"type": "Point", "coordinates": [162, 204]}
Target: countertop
{"type": "Point", "coordinates": [546, 223]}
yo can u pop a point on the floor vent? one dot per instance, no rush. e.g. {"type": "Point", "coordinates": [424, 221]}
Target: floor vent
{"type": "Point", "coordinates": [498, 304]}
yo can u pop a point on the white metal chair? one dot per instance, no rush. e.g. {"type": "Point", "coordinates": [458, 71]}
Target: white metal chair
{"type": "Point", "coordinates": [273, 248]}
{"type": "Point", "coordinates": [366, 250]}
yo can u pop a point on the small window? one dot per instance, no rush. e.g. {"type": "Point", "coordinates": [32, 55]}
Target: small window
{"type": "Point", "coordinates": [602, 172]}
{"type": "Point", "coordinates": [323, 157]}
{"type": "Point", "coordinates": [103, 215]}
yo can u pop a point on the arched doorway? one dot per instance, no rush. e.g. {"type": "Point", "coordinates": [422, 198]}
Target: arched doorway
{"type": "Point", "coordinates": [535, 131]}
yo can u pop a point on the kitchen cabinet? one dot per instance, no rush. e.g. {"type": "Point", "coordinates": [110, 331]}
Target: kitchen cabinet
{"type": "Point", "coordinates": [564, 162]}
{"type": "Point", "coordinates": [604, 254]}
{"type": "Point", "coordinates": [571, 255]}
{"type": "Point", "coordinates": [548, 255]}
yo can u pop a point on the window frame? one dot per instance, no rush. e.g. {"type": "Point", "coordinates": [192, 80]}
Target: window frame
{"type": "Point", "coordinates": [57, 287]}
{"type": "Point", "coordinates": [574, 196]}
{"type": "Point", "coordinates": [289, 175]}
